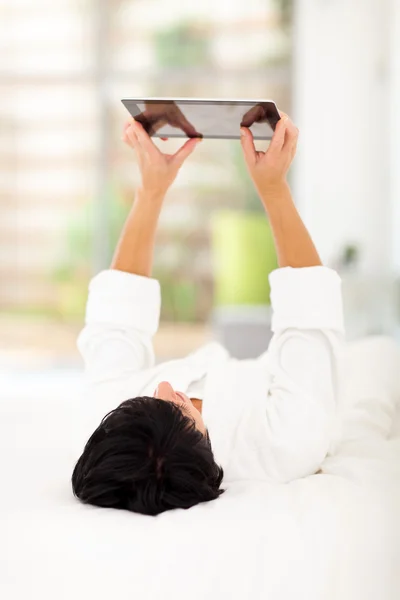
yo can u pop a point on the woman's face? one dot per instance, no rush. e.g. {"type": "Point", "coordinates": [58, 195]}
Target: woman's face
{"type": "Point", "coordinates": [165, 391]}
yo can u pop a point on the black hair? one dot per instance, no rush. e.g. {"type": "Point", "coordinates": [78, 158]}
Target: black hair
{"type": "Point", "coordinates": [146, 456]}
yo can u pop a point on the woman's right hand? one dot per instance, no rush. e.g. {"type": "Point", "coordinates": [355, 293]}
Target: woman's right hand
{"type": "Point", "coordinates": [158, 170]}
{"type": "Point", "coordinates": [269, 169]}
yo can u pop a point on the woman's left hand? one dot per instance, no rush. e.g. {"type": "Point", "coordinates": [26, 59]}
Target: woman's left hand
{"type": "Point", "coordinates": [158, 170]}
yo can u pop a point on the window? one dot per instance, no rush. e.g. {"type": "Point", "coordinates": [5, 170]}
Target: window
{"type": "Point", "coordinates": [66, 179]}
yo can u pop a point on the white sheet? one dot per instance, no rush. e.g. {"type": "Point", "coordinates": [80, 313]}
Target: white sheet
{"type": "Point", "coordinates": [330, 536]}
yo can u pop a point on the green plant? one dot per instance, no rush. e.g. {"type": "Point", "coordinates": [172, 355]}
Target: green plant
{"type": "Point", "coordinates": [73, 268]}
{"type": "Point", "coordinates": [243, 246]}
{"type": "Point", "coordinates": [179, 296]}
{"type": "Point", "coordinates": [182, 45]}
{"type": "Point", "coordinates": [285, 9]}
{"type": "Point", "coordinates": [174, 267]}
{"type": "Point", "coordinates": [244, 255]}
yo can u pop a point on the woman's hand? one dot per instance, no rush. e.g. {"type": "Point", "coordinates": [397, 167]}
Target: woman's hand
{"type": "Point", "coordinates": [158, 170]}
{"type": "Point", "coordinates": [269, 169]}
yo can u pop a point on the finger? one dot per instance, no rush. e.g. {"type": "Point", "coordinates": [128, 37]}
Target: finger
{"type": "Point", "coordinates": [249, 150]}
{"type": "Point", "coordinates": [126, 140]}
{"type": "Point", "coordinates": [144, 139]}
{"type": "Point", "coordinates": [187, 149]}
{"type": "Point", "coordinates": [127, 124]}
{"type": "Point", "coordinates": [133, 141]}
{"type": "Point", "coordinates": [291, 136]}
{"type": "Point", "coordinates": [125, 134]}
{"type": "Point", "coordinates": [294, 150]}
{"type": "Point", "coordinates": [278, 139]}
{"type": "Point", "coordinates": [283, 116]}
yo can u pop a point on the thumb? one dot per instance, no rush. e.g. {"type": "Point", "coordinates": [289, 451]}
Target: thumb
{"type": "Point", "coordinates": [181, 155]}
{"type": "Point", "coordinates": [249, 150]}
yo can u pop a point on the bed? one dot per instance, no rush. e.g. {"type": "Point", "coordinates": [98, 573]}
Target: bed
{"type": "Point", "coordinates": [330, 536]}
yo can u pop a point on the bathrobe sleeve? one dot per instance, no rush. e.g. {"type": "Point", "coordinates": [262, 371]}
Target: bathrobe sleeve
{"type": "Point", "coordinates": [303, 359]}
{"type": "Point", "coordinates": [122, 315]}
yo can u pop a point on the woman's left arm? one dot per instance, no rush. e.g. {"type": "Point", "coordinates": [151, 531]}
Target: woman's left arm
{"type": "Point", "coordinates": [304, 367]}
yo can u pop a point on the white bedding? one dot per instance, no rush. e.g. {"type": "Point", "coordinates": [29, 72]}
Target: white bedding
{"type": "Point", "coordinates": [329, 536]}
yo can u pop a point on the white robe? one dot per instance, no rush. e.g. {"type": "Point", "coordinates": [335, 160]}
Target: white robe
{"type": "Point", "coordinates": [270, 418]}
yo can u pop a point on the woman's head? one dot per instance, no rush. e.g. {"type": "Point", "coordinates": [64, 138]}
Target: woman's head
{"type": "Point", "coordinates": [149, 455]}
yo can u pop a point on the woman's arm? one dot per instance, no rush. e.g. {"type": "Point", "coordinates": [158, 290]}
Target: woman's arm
{"type": "Point", "coordinates": [123, 308]}
{"type": "Point", "coordinates": [134, 253]}
{"type": "Point", "coordinates": [268, 170]}
{"type": "Point", "coordinates": [294, 245]}
{"type": "Point", "coordinates": [307, 323]}
{"type": "Point", "coordinates": [135, 249]}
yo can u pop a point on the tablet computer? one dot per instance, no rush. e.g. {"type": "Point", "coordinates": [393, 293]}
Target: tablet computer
{"type": "Point", "coordinates": [207, 118]}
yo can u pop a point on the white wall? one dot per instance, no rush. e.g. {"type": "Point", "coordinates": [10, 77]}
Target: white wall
{"type": "Point", "coordinates": [342, 82]}
{"type": "Point", "coordinates": [395, 129]}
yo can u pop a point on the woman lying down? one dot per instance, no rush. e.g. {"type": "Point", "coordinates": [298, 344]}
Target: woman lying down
{"type": "Point", "coordinates": [176, 432]}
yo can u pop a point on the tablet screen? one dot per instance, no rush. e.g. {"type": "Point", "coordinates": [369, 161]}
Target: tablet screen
{"type": "Point", "coordinates": [204, 118]}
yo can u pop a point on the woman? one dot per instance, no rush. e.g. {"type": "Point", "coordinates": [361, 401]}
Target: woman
{"type": "Point", "coordinates": [271, 418]}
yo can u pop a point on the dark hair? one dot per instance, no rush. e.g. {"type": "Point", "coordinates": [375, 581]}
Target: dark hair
{"type": "Point", "coordinates": [148, 457]}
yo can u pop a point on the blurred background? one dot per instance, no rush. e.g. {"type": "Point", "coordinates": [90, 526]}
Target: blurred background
{"type": "Point", "coordinates": [67, 181]}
